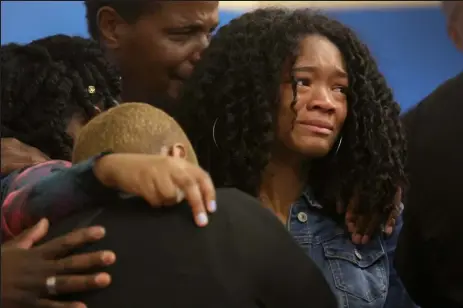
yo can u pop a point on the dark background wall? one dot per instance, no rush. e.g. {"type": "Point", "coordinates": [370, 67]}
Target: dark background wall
{"type": "Point", "coordinates": [410, 44]}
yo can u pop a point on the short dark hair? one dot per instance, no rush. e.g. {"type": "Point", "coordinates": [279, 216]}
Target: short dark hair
{"type": "Point", "coordinates": [130, 10]}
{"type": "Point", "coordinates": [47, 81]}
{"type": "Point", "coordinates": [234, 90]}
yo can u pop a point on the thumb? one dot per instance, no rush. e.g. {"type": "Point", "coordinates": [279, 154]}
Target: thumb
{"type": "Point", "coordinates": [30, 236]}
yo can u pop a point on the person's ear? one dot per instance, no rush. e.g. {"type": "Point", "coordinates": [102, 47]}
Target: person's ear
{"type": "Point", "coordinates": [112, 27]}
{"type": "Point", "coordinates": [177, 150]}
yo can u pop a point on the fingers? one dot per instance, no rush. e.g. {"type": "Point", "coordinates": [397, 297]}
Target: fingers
{"type": "Point", "coordinates": [45, 303]}
{"type": "Point", "coordinates": [7, 165]}
{"type": "Point", "coordinates": [82, 262]}
{"type": "Point", "coordinates": [35, 155]}
{"type": "Point", "coordinates": [357, 234]}
{"type": "Point", "coordinates": [80, 283]}
{"type": "Point", "coordinates": [174, 179]}
{"type": "Point", "coordinates": [398, 197]}
{"type": "Point", "coordinates": [167, 191]}
{"type": "Point", "coordinates": [207, 190]}
{"type": "Point", "coordinates": [31, 236]}
{"type": "Point", "coordinates": [351, 215]}
{"type": "Point", "coordinates": [390, 224]}
{"type": "Point", "coordinates": [350, 221]}
{"type": "Point", "coordinates": [66, 243]}
{"type": "Point", "coordinates": [188, 184]}
{"type": "Point", "coordinates": [372, 227]}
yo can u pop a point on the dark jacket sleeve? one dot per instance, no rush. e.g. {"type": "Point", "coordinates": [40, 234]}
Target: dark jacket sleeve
{"type": "Point", "coordinates": [428, 255]}
{"type": "Point", "coordinates": [407, 260]}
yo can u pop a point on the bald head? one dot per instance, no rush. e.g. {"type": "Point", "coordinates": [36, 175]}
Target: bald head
{"type": "Point", "coordinates": [453, 11]}
{"type": "Point", "coordinates": [132, 128]}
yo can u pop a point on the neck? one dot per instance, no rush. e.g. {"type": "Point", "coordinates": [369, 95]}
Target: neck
{"type": "Point", "coordinates": [131, 91]}
{"type": "Point", "coordinates": [282, 183]}
{"type": "Point", "coordinates": [131, 88]}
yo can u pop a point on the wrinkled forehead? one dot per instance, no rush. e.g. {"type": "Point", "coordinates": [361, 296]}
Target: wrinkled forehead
{"type": "Point", "coordinates": [184, 13]}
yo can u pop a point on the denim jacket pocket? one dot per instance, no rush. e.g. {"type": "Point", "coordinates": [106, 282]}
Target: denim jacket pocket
{"type": "Point", "coordinates": [358, 271]}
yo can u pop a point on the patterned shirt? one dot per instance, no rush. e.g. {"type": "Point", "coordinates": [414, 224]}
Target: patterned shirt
{"type": "Point", "coordinates": [53, 189]}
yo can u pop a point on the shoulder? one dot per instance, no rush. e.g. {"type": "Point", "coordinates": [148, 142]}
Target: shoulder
{"type": "Point", "coordinates": [241, 207]}
{"type": "Point", "coordinates": [447, 95]}
{"type": "Point", "coordinates": [447, 89]}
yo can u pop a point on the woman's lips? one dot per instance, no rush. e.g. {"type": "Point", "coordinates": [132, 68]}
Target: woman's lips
{"type": "Point", "coordinates": [316, 126]}
{"type": "Point", "coordinates": [316, 129]}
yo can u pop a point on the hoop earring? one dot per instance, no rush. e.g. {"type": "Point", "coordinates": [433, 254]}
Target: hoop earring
{"type": "Point", "coordinates": [213, 132]}
{"type": "Point", "coordinates": [338, 146]}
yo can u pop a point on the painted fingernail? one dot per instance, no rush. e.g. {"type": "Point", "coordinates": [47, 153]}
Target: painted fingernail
{"type": "Point", "coordinates": [388, 230]}
{"type": "Point", "coordinates": [103, 279]}
{"type": "Point", "coordinates": [212, 206]}
{"type": "Point", "coordinates": [202, 219]}
{"type": "Point", "coordinates": [97, 232]}
{"type": "Point", "coordinates": [108, 257]}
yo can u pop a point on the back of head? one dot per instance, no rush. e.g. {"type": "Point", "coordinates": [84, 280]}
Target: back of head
{"type": "Point", "coordinates": [48, 82]}
{"type": "Point", "coordinates": [130, 11]}
{"type": "Point", "coordinates": [131, 128]}
{"type": "Point", "coordinates": [451, 8]}
{"type": "Point", "coordinates": [453, 11]}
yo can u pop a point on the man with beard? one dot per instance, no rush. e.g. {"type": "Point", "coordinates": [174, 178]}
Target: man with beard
{"type": "Point", "coordinates": [428, 255]}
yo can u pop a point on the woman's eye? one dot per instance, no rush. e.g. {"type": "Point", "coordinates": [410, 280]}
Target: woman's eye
{"type": "Point", "coordinates": [304, 82]}
{"type": "Point", "coordinates": [340, 89]}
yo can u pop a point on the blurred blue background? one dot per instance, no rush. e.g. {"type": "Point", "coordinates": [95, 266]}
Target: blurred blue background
{"type": "Point", "coordinates": [410, 43]}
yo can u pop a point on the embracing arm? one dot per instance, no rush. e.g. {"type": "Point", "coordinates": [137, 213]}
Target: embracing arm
{"type": "Point", "coordinates": [16, 155]}
{"type": "Point", "coordinates": [53, 190]}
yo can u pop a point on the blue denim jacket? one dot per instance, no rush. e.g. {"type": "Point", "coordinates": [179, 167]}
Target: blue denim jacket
{"type": "Point", "coordinates": [361, 276]}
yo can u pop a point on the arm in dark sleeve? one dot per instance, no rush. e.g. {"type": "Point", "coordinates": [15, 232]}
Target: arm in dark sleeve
{"type": "Point", "coordinates": [53, 190]}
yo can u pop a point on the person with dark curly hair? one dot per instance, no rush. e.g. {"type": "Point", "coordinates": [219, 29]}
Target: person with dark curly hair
{"type": "Point", "coordinates": [50, 88]}
{"type": "Point", "coordinates": [428, 259]}
{"type": "Point", "coordinates": [155, 45]}
{"type": "Point", "coordinates": [290, 107]}
{"type": "Point", "coordinates": [217, 259]}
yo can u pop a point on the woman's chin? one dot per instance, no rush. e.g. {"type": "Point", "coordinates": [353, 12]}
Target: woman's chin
{"type": "Point", "coordinates": [313, 149]}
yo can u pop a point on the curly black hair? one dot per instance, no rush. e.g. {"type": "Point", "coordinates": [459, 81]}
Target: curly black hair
{"type": "Point", "coordinates": [235, 88]}
{"type": "Point", "coordinates": [130, 11]}
{"type": "Point", "coordinates": [46, 82]}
